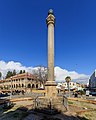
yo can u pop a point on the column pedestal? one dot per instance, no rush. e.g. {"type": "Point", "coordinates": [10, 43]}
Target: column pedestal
{"type": "Point", "coordinates": [50, 88]}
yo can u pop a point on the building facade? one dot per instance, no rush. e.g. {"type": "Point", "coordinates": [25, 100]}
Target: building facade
{"type": "Point", "coordinates": [92, 83]}
{"type": "Point", "coordinates": [25, 82]}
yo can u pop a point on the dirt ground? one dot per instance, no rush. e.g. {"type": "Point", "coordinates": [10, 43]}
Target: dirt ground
{"type": "Point", "coordinates": [88, 110]}
{"type": "Point", "coordinates": [76, 111]}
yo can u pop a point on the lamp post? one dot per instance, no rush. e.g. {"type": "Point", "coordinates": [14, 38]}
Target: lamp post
{"type": "Point", "coordinates": [11, 88]}
{"type": "Point", "coordinates": [68, 79]}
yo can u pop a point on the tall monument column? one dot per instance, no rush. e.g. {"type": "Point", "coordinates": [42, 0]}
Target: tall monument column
{"type": "Point", "coordinates": [50, 84]}
{"type": "Point", "coordinates": [50, 23]}
{"type": "Point", "coordinates": [51, 101]}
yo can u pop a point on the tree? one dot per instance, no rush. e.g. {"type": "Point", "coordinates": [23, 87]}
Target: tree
{"type": "Point", "coordinates": [68, 79]}
{"type": "Point", "coordinates": [23, 71]}
{"type": "Point", "coordinates": [0, 75]}
{"type": "Point", "coordinates": [14, 72]}
{"type": "Point", "coordinates": [9, 74]}
{"type": "Point", "coordinates": [41, 73]}
{"type": "Point", "coordinates": [20, 72]}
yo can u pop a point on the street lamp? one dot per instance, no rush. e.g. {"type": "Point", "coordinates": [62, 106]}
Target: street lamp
{"type": "Point", "coordinates": [68, 79]}
{"type": "Point", "coordinates": [11, 88]}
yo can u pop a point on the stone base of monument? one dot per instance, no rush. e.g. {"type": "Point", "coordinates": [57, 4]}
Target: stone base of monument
{"type": "Point", "coordinates": [50, 105]}
{"type": "Point", "coordinates": [50, 88]}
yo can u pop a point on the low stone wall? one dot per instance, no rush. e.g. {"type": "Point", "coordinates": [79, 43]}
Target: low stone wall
{"type": "Point", "coordinates": [83, 100]}
{"type": "Point", "coordinates": [20, 99]}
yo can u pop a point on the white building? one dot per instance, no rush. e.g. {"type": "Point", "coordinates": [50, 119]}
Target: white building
{"type": "Point", "coordinates": [72, 85]}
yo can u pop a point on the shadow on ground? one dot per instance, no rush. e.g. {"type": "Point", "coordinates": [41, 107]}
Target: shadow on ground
{"type": "Point", "coordinates": [22, 113]}
{"type": "Point", "coordinates": [11, 114]}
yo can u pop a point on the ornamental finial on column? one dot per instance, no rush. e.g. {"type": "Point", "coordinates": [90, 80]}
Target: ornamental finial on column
{"type": "Point", "coordinates": [50, 12]}
{"type": "Point", "coordinates": [50, 19]}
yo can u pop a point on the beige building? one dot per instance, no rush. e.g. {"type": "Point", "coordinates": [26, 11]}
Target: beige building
{"type": "Point", "coordinates": [21, 82]}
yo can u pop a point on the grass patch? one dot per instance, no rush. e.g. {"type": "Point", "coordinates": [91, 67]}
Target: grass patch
{"type": "Point", "coordinates": [94, 109]}
{"type": "Point", "coordinates": [83, 118]}
{"type": "Point", "coordinates": [25, 114]}
{"type": "Point", "coordinates": [69, 102]}
{"type": "Point", "coordinates": [16, 115]}
{"type": "Point", "coordinates": [19, 115]}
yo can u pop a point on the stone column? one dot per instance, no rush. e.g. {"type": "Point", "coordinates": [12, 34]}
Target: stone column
{"type": "Point", "coordinates": [50, 23]}
{"type": "Point", "coordinates": [50, 84]}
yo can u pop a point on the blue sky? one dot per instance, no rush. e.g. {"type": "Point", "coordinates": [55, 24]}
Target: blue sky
{"type": "Point", "coordinates": [23, 33]}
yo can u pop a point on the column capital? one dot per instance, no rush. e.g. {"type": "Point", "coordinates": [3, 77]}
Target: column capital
{"type": "Point", "coordinates": [50, 19]}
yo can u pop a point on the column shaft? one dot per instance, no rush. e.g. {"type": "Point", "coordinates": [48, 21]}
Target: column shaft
{"type": "Point", "coordinates": [50, 52]}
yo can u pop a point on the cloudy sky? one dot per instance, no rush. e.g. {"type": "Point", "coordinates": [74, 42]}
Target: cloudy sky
{"type": "Point", "coordinates": [23, 36]}
{"type": "Point", "coordinates": [59, 72]}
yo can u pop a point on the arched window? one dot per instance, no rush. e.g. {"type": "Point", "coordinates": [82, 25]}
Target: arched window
{"type": "Point", "coordinates": [22, 85]}
{"type": "Point", "coordinates": [19, 85]}
{"type": "Point", "coordinates": [36, 86]}
{"type": "Point", "coordinates": [16, 85]}
{"type": "Point", "coordinates": [29, 86]}
{"type": "Point", "coordinates": [33, 86]}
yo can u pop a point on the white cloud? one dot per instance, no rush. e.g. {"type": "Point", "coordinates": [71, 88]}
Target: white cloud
{"type": "Point", "coordinates": [62, 73]}
{"type": "Point", "coordinates": [59, 72]}
{"type": "Point", "coordinates": [11, 65]}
